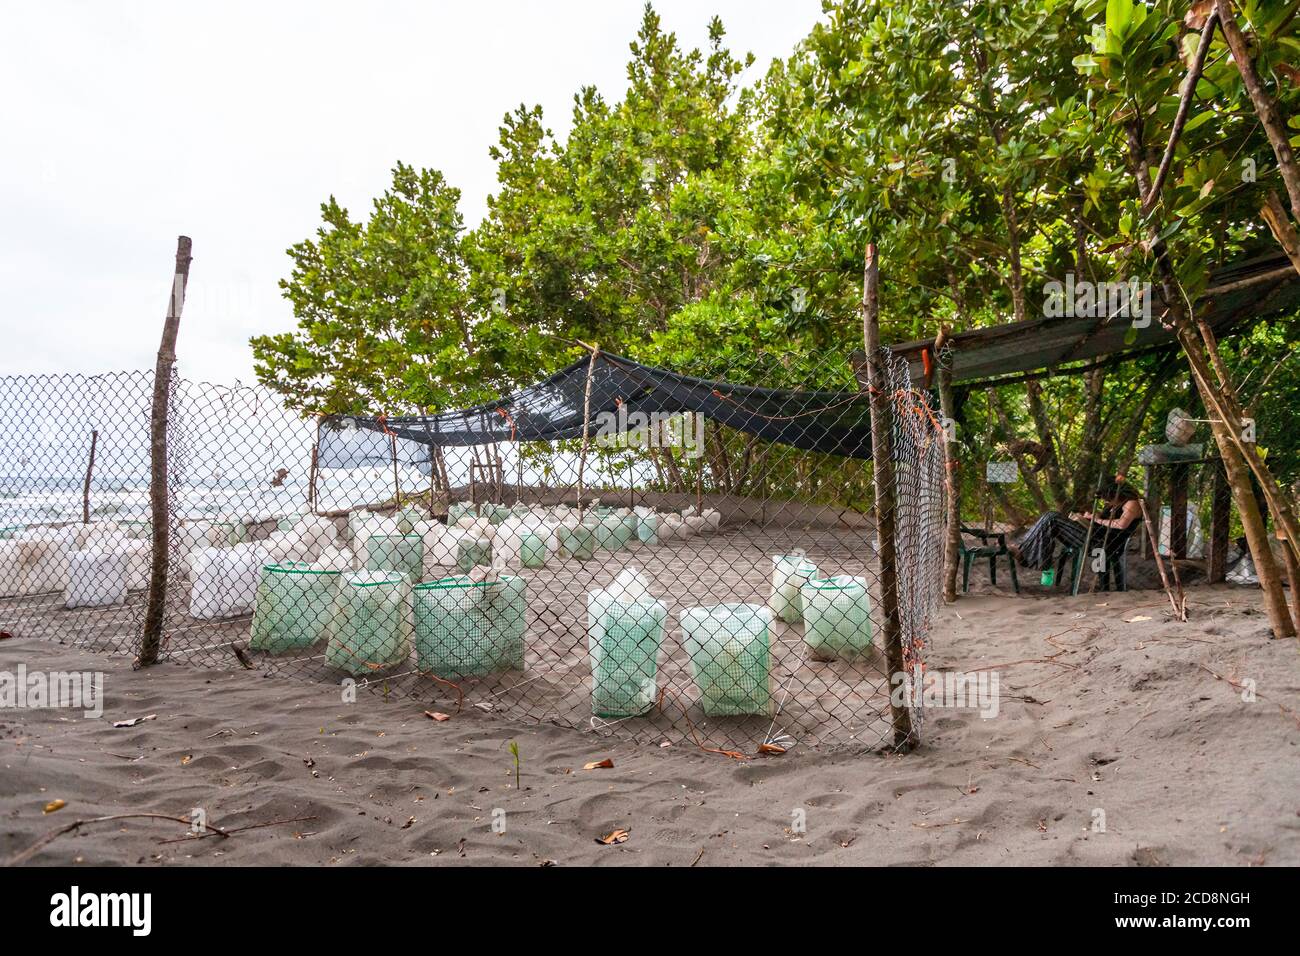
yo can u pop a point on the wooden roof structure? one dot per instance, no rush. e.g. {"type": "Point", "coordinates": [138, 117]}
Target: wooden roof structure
{"type": "Point", "coordinates": [1235, 298]}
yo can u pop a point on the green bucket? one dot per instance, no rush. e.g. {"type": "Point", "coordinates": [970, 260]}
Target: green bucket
{"type": "Point", "coordinates": [293, 608]}
{"type": "Point", "coordinates": [370, 623]}
{"type": "Point", "coordinates": [731, 660]}
{"type": "Point", "coordinates": [467, 628]}
{"type": "Point", "coordinates": [837, 617]}
{"type": "Point", "coordinates": [623, 641]}
{"type": "Point", "coordinates": [396, 552]}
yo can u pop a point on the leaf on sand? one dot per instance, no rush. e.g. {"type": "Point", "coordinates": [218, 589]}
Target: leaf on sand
{"type": "Point", "coordinates": [617, 836]}
{"type": "Point", "coordinates": [436, 715]}
{"type": "Point", "coordinates": [599, 764]}
{"type": "Point", "coordinates": [408, 824]}
{"type": "Point", "coordinates": [1136, 619]}
{"type": "Point", "coordinates": [54, 805]}
{"type": "Point", "coordinates": [771, 749]}
{"type": "Point", "coordinates": [134, 720]}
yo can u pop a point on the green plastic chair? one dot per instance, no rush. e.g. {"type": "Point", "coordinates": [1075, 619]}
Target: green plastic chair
{"type": "Point", "coordinates": [992, 551]}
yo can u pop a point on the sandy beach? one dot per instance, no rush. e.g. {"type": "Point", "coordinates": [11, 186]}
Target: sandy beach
{"type": "Point", "coordinates": [1118, 741]}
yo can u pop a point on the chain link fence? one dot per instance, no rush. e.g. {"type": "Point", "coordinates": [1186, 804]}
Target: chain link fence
{"type": "Point", "coordinates": [664, 580]}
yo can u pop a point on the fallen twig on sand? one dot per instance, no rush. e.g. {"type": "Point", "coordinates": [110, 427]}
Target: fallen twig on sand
{"type": "Point", "coordinates": [1228, 680]}
{"type": "Point", "coordinates": [232, 832]}
{"type": "Point", "coordinates": [24, 855]}
{"type": "Point", "coordinates": [935, 826]}
{"type": "Point", "coordinates": [1051, 659]}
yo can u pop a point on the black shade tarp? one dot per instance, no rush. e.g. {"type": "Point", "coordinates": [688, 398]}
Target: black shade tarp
{"type": "Point", "coordinates": [624, 397]}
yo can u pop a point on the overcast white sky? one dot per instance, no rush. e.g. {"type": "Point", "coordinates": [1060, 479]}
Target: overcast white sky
{"type": "Point", "coordinates": [123, 125]}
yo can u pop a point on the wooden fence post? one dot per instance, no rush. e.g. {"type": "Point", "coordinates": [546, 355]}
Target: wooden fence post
{"type": "Point", "coordinates": [156, 606]}
{"type": "Point", "coordinates": [952, 480]}
{"type": "Point", "coordinates": [90, 471]}
{"type": "Point", "coordinates": [882, 468]}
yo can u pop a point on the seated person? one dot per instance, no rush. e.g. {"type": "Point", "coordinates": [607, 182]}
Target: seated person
{"type": "Point", "coordinates": [1123, 509]}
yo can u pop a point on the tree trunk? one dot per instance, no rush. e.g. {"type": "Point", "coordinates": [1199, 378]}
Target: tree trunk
{"type": "Point", "coordinates": [1222, 421]}
{"type": "Point", "coordinates": [882, 467]}
{"type": "Point", "coordinates": [1265, 106]}
{"type": "Point", "coordinates": [1281, 227]}
{"type": "Point", "coordinates": [1046, 436]}
{"type": "Point", "coordinates": [1006, 433]}
{"type": "Point", "coordinates": [1090, 440]}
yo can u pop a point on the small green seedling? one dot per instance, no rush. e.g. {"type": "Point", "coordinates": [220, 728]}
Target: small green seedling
{"type": "Point", "coordinates": [514, 752]}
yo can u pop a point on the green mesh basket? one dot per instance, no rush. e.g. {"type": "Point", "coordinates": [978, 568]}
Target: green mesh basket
{"type": "Point", "coordinates": [467, 628]}
{"type": "Point", "coordinates": [496, 513]}
{"type": "Point", "coordinates": [293, 608]}
{"type": "Point", "coordinates": [837, 617]}
{"type": "Point", "coordinates": [731, 661]}
{"type": "Point", "coordinates": [403, 553]}
{"type": "Point", "coordinates": [647, 529]}
{"type": "Point", "coordinates": [609, 533]}
{"type": "Point", "coordinates": [409, 517]}
{"type": "Point", "coordinates": [532, 549]}
{"type": "Point", "coordinates": [470, 554]}
{"type": "Point", "coordinates": [626, 531]}
{"type": "Point", "coordinates": [370, 623]}
{"type": "Point", "coordinates": [579, 542]}
{"type": "Point", "coordinates": [623, 641]}
{"type": "Point", "coordinates": [460, 509]}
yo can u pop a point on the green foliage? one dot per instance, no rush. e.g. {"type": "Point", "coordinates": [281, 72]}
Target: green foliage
{"type": "Point", "coordinates": [716, 229]}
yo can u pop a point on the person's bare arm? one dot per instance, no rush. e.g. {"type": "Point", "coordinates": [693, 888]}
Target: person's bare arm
{"type": "Point", "coordinates": [1131, 512]}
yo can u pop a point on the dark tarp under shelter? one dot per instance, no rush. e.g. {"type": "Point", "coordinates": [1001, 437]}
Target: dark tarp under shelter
{"type": "Point", "coordinates": [624, 394]}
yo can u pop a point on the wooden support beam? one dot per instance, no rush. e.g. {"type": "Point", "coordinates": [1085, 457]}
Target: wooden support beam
{"type": "Point", "coordinates": [1216, 566]}
{"type": "Point", "coordinates": [1178, 511]}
